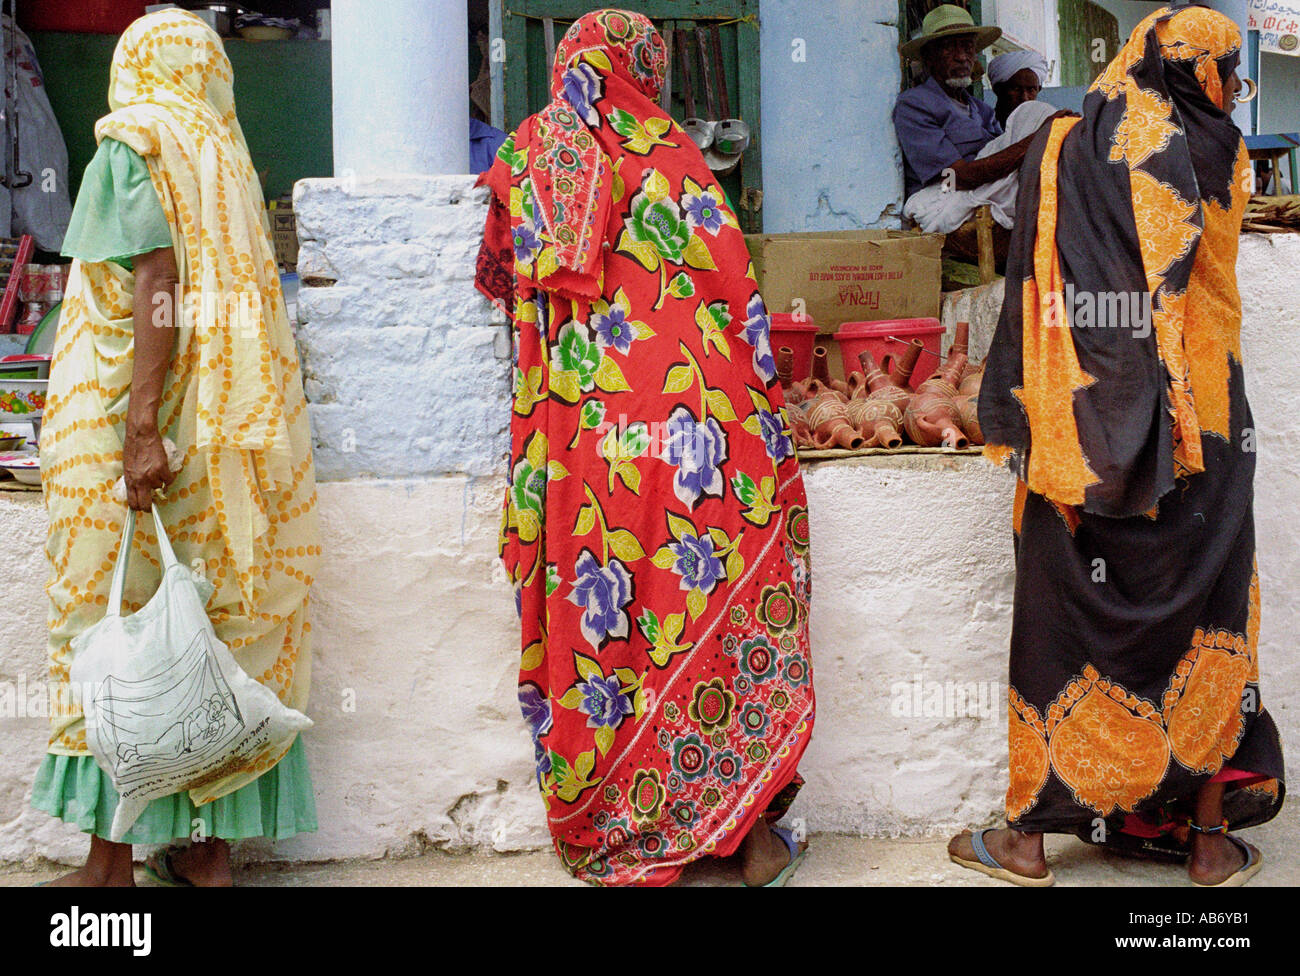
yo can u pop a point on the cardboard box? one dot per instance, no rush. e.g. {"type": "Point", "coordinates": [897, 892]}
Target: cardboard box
{"type": "Point", "coordinates": [849, 276]}
{"type": "Point", "coordinates": [284, 234]}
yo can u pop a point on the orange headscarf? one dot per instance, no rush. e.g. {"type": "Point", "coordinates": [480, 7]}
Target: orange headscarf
{"type": "Point", "coordinates": [1152, 121]}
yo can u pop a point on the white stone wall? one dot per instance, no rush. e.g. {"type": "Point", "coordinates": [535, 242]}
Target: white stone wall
{"type": "Point", "coordinates": [406, 367]}
{"type": "Point", "coordinates": [418, 740]}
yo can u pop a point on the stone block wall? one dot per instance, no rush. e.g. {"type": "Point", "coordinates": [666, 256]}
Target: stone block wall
{"type": "Point", "coordinates": [406, 366]}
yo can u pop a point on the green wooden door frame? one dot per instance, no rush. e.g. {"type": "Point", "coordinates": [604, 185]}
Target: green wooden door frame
{"type": "Point", "coordinates": [524, 71]}
{"type": "Point", "coordinates": [1078, 22]}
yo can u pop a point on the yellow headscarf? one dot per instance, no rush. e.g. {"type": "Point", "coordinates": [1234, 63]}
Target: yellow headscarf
{"type": "Point", "coordinates": [171, 91]}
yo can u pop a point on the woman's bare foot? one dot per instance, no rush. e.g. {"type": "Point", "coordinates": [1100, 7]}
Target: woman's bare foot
{"type": "Point", "coordinates": [1017, 851]}
{"type": "Point", "coordinates": [205, 864]}
{"type": "Point", "coordinates": [765, 854]}
{"type": "Point", "coordinates": [108, 865]}
{"type": "Point", "coordinates": [1215, 859]}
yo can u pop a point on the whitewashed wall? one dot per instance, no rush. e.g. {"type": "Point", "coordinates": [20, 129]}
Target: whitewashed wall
{"type": "Point", "coordinates": [413, 621]}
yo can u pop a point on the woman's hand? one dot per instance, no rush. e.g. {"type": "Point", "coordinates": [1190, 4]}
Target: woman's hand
{"type": "Point", "coordinates": [145, 468]}
{"type": "Point", "coordinates": [144, 459]}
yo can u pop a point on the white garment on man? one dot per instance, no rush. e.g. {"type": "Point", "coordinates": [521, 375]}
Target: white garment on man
{"type": "Point", "coordinates": [942, 211]}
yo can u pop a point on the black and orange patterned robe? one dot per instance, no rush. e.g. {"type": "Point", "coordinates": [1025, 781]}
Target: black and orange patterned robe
{"type": "Point", "coordinates": [1114, 390]}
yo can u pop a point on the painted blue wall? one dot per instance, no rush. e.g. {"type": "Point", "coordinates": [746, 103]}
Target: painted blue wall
{"type": "Point", "coordinates": [830, 160]}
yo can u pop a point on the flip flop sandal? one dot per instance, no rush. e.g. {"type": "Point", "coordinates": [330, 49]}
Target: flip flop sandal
{"type": "Point", "coordinates": [987, 864]}
{"type": "Point", "coordinates": [159, 867]}
{"type": "Point", "coordinates": [1254, 861]}
{"type": "Point", "coordinates": [796, 858]}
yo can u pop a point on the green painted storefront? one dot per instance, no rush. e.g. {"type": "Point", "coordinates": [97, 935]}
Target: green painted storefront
{"type": "Point", "coordinates": [282, 93]}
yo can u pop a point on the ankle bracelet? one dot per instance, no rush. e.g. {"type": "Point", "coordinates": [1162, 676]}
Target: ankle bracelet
{"type": "Point", "coordinates": [1221, 829]}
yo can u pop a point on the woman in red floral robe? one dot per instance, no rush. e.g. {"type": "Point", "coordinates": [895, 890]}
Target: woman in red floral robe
{"type": "Point", "coordinates": [655, 525]}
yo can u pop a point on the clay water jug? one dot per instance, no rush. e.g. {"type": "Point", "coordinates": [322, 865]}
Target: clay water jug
{"type": "Point", "coordinates": [828, 418]}
{"type": "Point", "coordinates": [905, 365]}
{"type": "Point", "coordinates": [797, 414]}
{"type": "Point", "coordinates": [785, 373]}
{"type": "Point", "coordinates": [970, 383]}
{"type": "Point", "coordinates": [878, 420]}
{"type": "Point", "coordinates": [932, 418]}
{"type": "Point", "coordinates": [821, 370]}
{"type": "Point", "coordinates": [885, 389]}
{"type": "Point", "coordinates": [968, 412]}
{"type": "Point", "coordinates": [961, 344]}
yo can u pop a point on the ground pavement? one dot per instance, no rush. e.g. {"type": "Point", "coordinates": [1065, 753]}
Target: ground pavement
{"type": "Point", "coordinates": [832, 860]}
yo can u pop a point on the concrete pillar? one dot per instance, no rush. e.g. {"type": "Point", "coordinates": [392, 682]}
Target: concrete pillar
{"type": "Point", "coordinates": [401, 91]}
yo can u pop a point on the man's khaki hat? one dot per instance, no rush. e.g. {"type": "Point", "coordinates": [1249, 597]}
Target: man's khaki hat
{"type": "Point", "coordinates": [948, 20]}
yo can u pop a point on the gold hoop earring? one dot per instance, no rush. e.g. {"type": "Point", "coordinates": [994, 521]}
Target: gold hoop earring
{"type": "Point", "coordinates": [1251, 86]}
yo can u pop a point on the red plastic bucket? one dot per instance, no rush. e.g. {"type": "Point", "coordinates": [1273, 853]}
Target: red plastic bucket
{"type": "Point", "coordinates": [80, 16]}
{"type": "Point", "coordinates": [887, 340]}
{"type": "Point", "coordinates": [800, 334]}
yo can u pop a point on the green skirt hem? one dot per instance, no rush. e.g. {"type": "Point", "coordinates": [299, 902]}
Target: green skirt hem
{"type": "Point", "coordinates": [278, 804]}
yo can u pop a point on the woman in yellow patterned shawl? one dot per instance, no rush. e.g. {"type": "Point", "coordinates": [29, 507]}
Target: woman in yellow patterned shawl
{"type": "Point", "coordinates": [175, 327]}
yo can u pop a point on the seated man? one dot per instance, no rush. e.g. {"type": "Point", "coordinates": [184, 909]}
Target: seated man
{"type": "Point", "coordinates": [1016, 77]}
{"type": "Point", "coordinates": [942, 130]}
{"type": "Point", "coordinates": [940, 210]}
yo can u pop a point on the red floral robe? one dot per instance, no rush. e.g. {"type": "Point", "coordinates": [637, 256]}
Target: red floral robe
{"type": "Point", "coordinates": [655, 525]}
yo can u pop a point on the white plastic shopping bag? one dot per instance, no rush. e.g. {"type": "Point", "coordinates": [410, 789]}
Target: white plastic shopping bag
{"type": "Point", "coordinates": [167, 707]}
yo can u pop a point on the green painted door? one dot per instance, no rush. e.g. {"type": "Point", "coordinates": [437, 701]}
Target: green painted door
{"type": "Point", "coordinates": [283, 96]}
{"type": "Point", "coordinates": [1089, 40]}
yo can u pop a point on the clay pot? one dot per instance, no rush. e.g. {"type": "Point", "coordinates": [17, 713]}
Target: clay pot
{"type": "Point", "coordinates": [878, 420]}
{"type": "Point", "coordinates": [961, 344]}
{"type": "Point", "coordinates": [960, 340]}
{"type": "Point", "coordinates": [968, 412]}
{"type": "Point", "coordinates": [798, 417]}
{"type": "Point", "coordinates": [794, 392]}
{"type": "Point", "coordinates": [821, 367]}
{"type": "Point", "coordinates": [822, 373]}
{"type": "Point", "coordinates": [893, 397]}
{"type": "Point", "coordinates": [828, 418]}
{"type": "Point", "coordinates": [875, 378]}
{"type": "Point", "coordinates": [785, 366]}
{"type": "Point", "coordinates": [932, 417]}
{"type": "Point", "coordinates": [904, 365]}
{"type": "Point", "coordinates": [814, 388]}
{"type": "Point", "coordinates": [857, 386]}
{"type": "Point", "coordinates": [970, 383]}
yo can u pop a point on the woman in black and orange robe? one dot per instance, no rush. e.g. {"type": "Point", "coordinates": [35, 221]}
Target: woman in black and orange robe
{"type": "Point", "coordinates": [1114, 390]}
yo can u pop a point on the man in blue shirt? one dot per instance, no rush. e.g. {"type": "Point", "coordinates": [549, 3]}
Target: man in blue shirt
{"type": "Point", "coordinates": [941, 127]}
